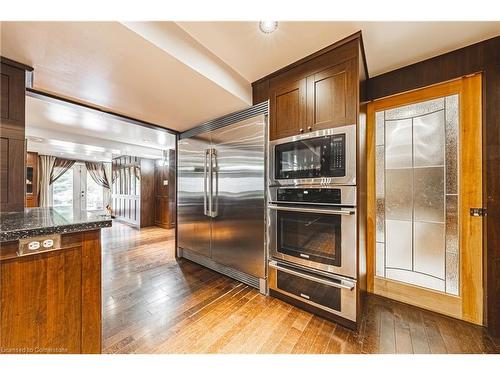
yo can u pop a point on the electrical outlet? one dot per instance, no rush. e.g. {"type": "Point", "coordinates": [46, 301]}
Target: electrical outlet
{"type": "Point", "coordinates": [34, 245]}
{"type": "Point", "coordinates": [48, 243]}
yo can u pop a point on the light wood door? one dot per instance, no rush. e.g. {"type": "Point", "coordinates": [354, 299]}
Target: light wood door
{"type": "Point", "coordinates": [288, 107]}
{"type": "Point", "coordinates": [424, 162]}
{"type": "Point", "coordinates": [331, 97]}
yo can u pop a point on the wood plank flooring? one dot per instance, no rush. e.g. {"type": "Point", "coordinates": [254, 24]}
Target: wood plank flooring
{"type": "Point", "coordinates": [153, 303]}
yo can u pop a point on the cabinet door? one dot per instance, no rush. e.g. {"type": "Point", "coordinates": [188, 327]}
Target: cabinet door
{"type": "Point", "coordinates": [331, 97]}
{"type": "Point", "coordinates": [288, 113]}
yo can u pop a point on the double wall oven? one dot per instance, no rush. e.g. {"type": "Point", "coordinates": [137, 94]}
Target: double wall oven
{"type": "Point", "coordinates": [311, 233]}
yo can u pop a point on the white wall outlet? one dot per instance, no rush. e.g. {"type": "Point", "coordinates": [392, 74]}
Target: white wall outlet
{"type": "Point", "coordinates": [48, 243]}
{"type": "Point", "coordinates": [34, 245]}
{"type": "Point", "coordinates": [165, 182]}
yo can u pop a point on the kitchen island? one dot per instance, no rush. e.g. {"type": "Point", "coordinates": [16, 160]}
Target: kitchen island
{"type": "Point", "coordinates": [50, 280]}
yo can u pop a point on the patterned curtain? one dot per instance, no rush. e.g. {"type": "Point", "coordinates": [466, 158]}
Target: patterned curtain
{"type": "Point", "coordinates": [60, 167]}
{"type": "Point", "coordinates": [98, 174]}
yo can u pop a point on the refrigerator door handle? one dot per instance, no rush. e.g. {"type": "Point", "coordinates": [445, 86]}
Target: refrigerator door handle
{"type": "Point", "coordinates": [215, 170]}
{"type": "Point", "coordinates": [210, 182]}
{"type": "Point", "coordinates": [205, 175]}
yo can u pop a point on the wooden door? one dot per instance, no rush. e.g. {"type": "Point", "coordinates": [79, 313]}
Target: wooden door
{"type": "Point", "coordinates": [331, 97]}
{"type": "Point", "coordinates": [288, 110]}
{"type": "Point", "coordinates": [424, 162]}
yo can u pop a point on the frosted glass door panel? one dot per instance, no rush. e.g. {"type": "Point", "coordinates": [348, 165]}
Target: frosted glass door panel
{"type": "Point", "coordinates": [417, 194]}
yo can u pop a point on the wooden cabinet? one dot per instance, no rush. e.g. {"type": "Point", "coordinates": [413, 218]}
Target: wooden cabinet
{"type": "Point", "coordinates": [288, 109]}
{"type": "Point", "coordinates": [322, 100]}
{"type": "Point", "coordinates": [331, 97]}
{"type": "Point", "coordinates": [12, 131]}
{"type": "Point", "coordinates": [51, 302]}
{"type": "Point", "coordinates": [31, 179]}
{"type": "Point", "coordinates": [165, 192]}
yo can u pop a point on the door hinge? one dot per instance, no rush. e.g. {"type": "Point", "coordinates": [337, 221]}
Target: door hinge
{"type": "Point", "coordinates": [478, 212]}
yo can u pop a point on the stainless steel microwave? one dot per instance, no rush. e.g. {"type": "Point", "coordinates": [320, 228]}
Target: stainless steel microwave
{"type": "Point", "coordinates": [322, 157]}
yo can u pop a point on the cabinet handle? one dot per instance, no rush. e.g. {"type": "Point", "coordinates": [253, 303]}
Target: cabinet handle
{"type": "Point", "coordinates": [309, 128]}
{"type": "Point", "coordinates": [301, 130]}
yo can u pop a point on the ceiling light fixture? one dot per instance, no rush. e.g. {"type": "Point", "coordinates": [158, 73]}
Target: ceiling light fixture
{"type": "Point", "coordinates": [267, 27]}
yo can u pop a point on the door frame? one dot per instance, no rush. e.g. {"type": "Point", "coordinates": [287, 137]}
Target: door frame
{"type": "Point", "coordinates": [468, 305]}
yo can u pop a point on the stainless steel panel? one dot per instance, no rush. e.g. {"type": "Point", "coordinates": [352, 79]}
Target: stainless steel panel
{"type": "Point", "coordinates": [399, 194]}
{"type": "Point", "coordinates": [429, 140]}
{"type": "Point", "coordinates": [452, 141]}
{"type": "Point", "coordinates": [347, 194]}
{"type": "Point", "coordinates": [398, 244]}
{"type": "Point", "coordinates": [429, 249]}
{"type": "Point", "coordinates": [429, 194]}
{"type": "Point", "coordinates": [350, 145]}
{"type": "Point", "coordinates": [238, 199]}
{"type": "Point", "coordinates": [398, 144]}
{"type": "Point", "coordinates": [348, 289]}
{"type": "Point", "coordinates": [193, 223]}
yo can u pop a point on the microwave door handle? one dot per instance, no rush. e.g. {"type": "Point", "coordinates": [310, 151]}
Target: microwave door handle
{"type": "Point", "coordinates": [311, 210]}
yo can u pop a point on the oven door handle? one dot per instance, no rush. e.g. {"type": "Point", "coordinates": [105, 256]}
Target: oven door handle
{"type": "Point", "coordinates": [311, 210]}
{"type": "Point", "coordinates": [337, 284]}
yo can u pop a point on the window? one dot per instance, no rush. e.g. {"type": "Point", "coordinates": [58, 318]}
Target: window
{"type": "Point", "coordinates": [62, 190]}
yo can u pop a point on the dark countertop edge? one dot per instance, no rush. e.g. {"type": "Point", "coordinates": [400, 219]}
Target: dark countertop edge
{"type": "Point", "coordinates": [58, 229]}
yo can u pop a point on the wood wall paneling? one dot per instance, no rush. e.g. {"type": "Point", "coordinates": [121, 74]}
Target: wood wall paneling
{"type": "Point", "coordinates": [147, 205]}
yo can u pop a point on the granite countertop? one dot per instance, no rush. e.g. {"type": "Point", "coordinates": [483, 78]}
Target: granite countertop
{"type": "Point", "coordinates": [41, 221]}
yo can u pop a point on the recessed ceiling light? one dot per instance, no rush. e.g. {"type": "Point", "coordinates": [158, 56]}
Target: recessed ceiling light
{"type": "Point", "coordinates": [146, 140]}
{"type": "Point", "coordinates": [35, 139]}
{"type": "Point", "coordinates": [267, 27]}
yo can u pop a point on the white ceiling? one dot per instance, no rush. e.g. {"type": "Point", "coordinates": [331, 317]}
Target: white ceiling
{"type": "Point", "coordinates": [60, 129]}
{"type": "Point", "coordinates": [388, 45]}
{"type": "Point", "coordinates": [180, 74]}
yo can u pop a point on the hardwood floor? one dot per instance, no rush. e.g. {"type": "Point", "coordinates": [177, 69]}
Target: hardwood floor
{"type": "Point", "coordinates": [153, 303]}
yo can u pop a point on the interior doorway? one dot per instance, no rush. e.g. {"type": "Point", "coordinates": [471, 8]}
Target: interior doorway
{"type": "Point", "coordinates": [425, 198]}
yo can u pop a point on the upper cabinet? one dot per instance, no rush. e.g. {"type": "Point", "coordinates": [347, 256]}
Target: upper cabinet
{"type": "Point", "coordinates": [331, 97]}
{"type": "Point", "coordinates": [318, 92]}
{"type": "Point", "coordinates": [288, 107]}
{"type": "Point", "coordinates": [12, 131]}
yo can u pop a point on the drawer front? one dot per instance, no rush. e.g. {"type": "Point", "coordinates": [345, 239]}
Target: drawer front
{"type": "Point", "coordinates": [336, 296]}
{"type": "Point", "coordinates": [312, 291]}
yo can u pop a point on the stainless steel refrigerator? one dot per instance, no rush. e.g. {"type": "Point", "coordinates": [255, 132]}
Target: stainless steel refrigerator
{"type": "Point", "coordinates": [221, 200]}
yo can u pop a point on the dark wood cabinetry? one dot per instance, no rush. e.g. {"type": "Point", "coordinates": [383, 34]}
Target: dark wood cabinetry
{"type": "Point", "coordinates": [165, 192]}
{"type": "Point", "coordinates": [31, 179]}
{"type": "Point", "coordinates": [51, 302]}
{"type": "Point", "coordinates": [12, 131]}
{"type": "Point", "coordinates": [288, 106]}
{"type": "Point", "coordinates": [331, 97]}
{"type": "Point", "coordinates": [318, 93]}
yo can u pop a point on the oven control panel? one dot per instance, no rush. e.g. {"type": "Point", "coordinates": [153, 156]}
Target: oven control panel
{"type": "Point", "coordinates": [313, 195]}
